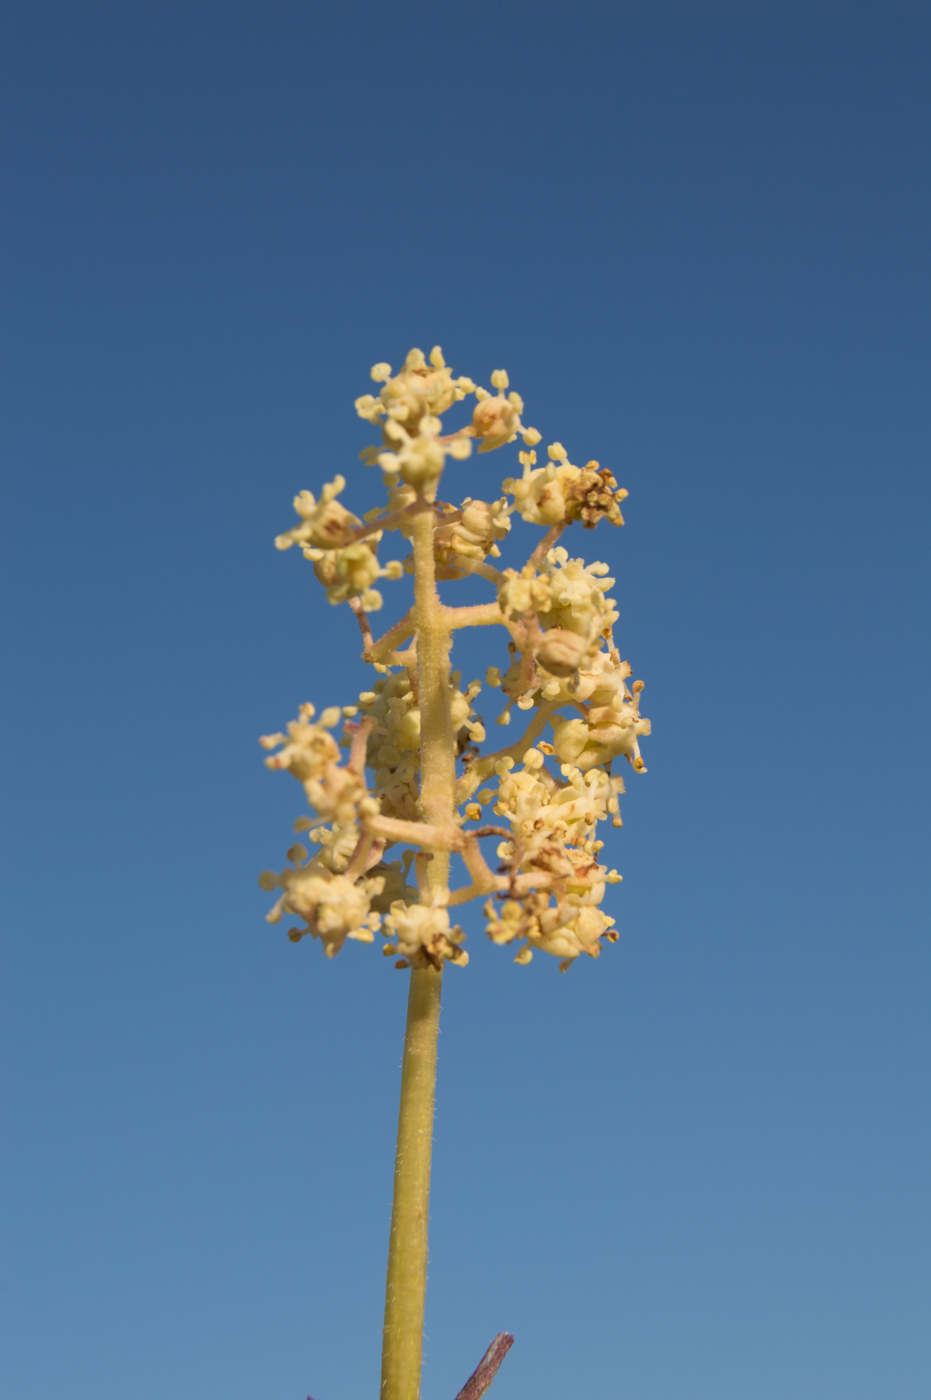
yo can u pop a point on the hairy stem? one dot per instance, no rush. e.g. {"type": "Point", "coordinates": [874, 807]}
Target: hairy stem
{"type": "Point", "coordinates": [475, 615]}
{"type": "Point", "coordinates": [481, 568]}
{"type": "Point", "coordinates": [429, 838]}
{"type": "Point", "coordinates": [381, 650]}
{"type": "Point", "coordinates": [407, 1252]}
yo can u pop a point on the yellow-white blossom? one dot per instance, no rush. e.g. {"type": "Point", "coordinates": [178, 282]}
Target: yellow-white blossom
{"type": "Point", "coordinates": [603, 733]}
{"type": "Point", "coordinates": [350, 573]}
{"type": "Point", "coordinates": [419, 390]}
{"type": "Point", "coordinates": [559, 493]}
{"type": "Point", "coordinates": [325, 524]}
{"type": "Point", "coordinates": [475, 534]}
{"type": "Point", "coordinates": [305, 750]}
{"type": "Point", "coordinates": [333, 907]}
{"type": "Point", "coordinates": [563, 929]}
{"type": "Point", "coordinates": [496, 419]}
{"type": "Point", "coordinates": [566, 593]}
{"type": "Point", "coordinates": [539, 807]}
{"type": "Point", "coordinates": [393, 750]}
{"type": "Point", "coordinates": [423, 937]}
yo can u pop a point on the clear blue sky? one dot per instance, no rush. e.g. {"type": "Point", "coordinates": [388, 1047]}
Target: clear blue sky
{"type": "Point", "coordinates": [697, 236]}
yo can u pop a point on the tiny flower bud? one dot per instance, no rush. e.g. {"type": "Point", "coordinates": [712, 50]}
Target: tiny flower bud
{"type": "Point", "coordinates": [561, 652]}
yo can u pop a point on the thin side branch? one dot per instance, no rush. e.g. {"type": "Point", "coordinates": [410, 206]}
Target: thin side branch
{"type": "Point", "coordinates": [482, 568]}
{"type": "Point", "coordinates": [475, 615]}
{"type": "Point", "coordinates": [360, 733]}
{"type": "Point", "coordinates": [382, 649]}
{"type": "Point", "coordinates": [432, 838]}
{"type": "Point", "coordinates": [359, 860]}
{"type": "Point", "coordinates": [483, 879]}
{"type": "Point", "coordinates": [515, 887]}
{"type": "Point", "coordinates": [365, 627]}
{"type": "Point", "coordinates": [545, 545]}
{"type": "Point", "coordinates": [391, 521]}
{"type": "Point", "coordinates": [486, 1370]}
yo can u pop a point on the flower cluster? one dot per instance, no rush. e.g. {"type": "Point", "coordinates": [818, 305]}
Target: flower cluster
{"type": "Point", "coordinates": [472, 533]}
{"type": "Point", "coordinates": [333, 907]}
{"type": "Point", "coordinates": [560, 493]}
{"type": "Point", "coordinates": [423, 936]}
{"type": "Point", "coordinates": [340, 547]}
{"type": "Point", "coordinates": [551, 788]}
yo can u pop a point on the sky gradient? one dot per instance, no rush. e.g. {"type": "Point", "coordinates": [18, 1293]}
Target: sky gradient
{"type": "Point", "coordinates": [697, 237]}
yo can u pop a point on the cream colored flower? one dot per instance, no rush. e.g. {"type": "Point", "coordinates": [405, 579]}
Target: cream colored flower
{"type": "Point", "coordinates": [598, 680]}
{"type": "Point", "coordinates": [311, 754]}
{"type": "Point", "coordinates": [419, 390]}
{"type": "Point", "coordinates": [423, 936]}
{"type": "Point", "coordinates": [393, 751]}
{"type": "Point", "coordinates": [578, 601]}
{"type": "Point", "coordinates": [604, 733]}
{"type": "Point", "coordinates": [350, 573]}
{"type": "Point", "coordinates": [336, 843]}
{"type": "Point", "coordinates": [536, 805]}
{"type": "Point", "coordinates": [567, 594]}
{"type": "Point", "coordinates": [558, 493]}
{"type": "Point", "coordinates": [560, 653]}
{"type": "Point", "coordinates": [333, 907]}
{"type": "Point", "coordinates": [475, 535]}
{"type": "Point", "coordinates": [523, 592]}
{"type": "Point", "coordinates": [306, 749]}
{"type": "Point", "coordinates": [496, 420]}
{"type": "Point", "coordinates": [340, 796]}
{"type": "Point", "coordinates": [395, 887]}
{"type": "Point", "coordinates": [417, 458]}
{"type": "Point", "coordinates": [572, 930]}
{"type": "Point", "coordinates": [325, 524]}
{"type": "Point", "coordinates": [564, 930]}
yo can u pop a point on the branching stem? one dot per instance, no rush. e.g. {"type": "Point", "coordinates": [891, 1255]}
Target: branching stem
{"type": "Point", "coordinates": [407, 1252]}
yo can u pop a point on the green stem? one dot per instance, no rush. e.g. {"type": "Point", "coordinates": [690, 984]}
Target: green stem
{"type": "Point", "coordinates": [407, 1252]}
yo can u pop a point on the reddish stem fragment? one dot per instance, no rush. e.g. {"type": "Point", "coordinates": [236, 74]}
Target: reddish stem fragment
{"type": "Point", "coordinates": [486, 1370]}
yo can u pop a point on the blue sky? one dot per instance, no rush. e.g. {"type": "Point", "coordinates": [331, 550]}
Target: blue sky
{"type": "Point", "coordinates": [696, 235]}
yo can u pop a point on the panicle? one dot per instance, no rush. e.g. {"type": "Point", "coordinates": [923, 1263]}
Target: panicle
{"type": "Point", "coordinates": [551, 789]}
